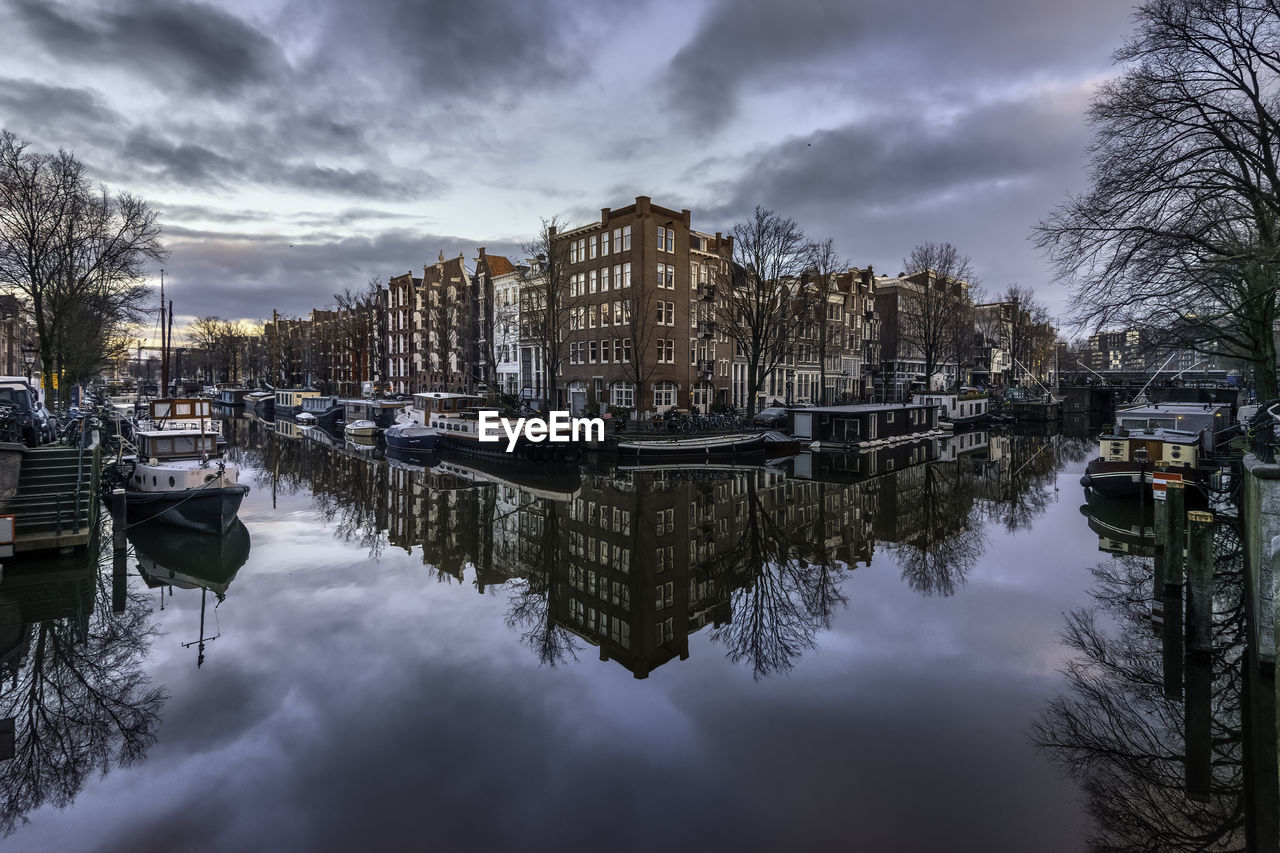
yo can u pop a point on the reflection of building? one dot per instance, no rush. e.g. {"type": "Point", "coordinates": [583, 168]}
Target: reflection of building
{"type": "Point", "coordinates": [636, 560]}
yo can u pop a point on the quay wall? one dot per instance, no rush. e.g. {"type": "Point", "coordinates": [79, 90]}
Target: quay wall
{"type": "Point", "coordinates": [1260, 512]}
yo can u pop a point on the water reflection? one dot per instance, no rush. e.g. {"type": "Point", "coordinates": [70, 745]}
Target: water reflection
{"type": "Point", "coordinates": [635, 559]}
{"type": "Point", "coordinates": [1173, 746]}
{"type": "Point", "coordinates": [169, 558]}
{"type": "Point", "coordinates": [72, 684]}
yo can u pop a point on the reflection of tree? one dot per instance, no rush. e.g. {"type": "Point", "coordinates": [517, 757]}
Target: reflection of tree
{"type": "Point", "coordinates": [1123, 740]}
{"type": "Point", "coordinates": [782, 600]}
{"type": "Point", "coordinates": [532, 595]}
{"type": "Point", "coordinates": [79, 700]}
{"type": "Point", "coordinates": [941, 540]}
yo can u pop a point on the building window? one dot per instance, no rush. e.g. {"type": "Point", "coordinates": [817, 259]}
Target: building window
{"type": "Point", "coordinates": [573, 253]}
{"type": "Point", "coordinates": [666, 276]}
{"type": "Point", "coordinates": [664, 394]}
{"type": "Point", "coordinates": [626, 238]}
{"type": "Point", "coordinates": [626, 350]}
{"type": "Point", "coordinates": [604, 242]}
{"type": "Point", "coordinates": [624, 394]}
{"type": "Point", "coordinates": [666, 239]}
{"type": "Point", "coordinates": [617, 276]}
{"type": "Point", "coordinates": [626, 274]}
{"type": "Point", "coordinates": [592, 247]}
{"type": "Point", "coordinates": [593, 316]}
{"type": "Point", "coordinates": [592, 283]}
{"type": "Point", "coordinates": [604, 351]}
{"type": "Point", "coordinates": [593, 350]}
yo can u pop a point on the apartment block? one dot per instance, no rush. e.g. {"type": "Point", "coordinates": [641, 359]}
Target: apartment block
{"type": "Point", "coordinates": [640, 331]}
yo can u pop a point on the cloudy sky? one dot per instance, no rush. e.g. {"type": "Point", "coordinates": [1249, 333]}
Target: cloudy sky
{"type": "Point", "coordinates": [297, 147]}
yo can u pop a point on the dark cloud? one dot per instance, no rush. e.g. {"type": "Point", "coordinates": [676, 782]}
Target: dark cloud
{"type": "Point", "coordinates": [441, 48]}
{"type": "Point", "coordinates": [246, 275]}
{"type": "Point", "coordinates": [196, 166]}
{"type": "Point", "coordinates": [880, 51]}
{"type": "Point", "coordinates": [879, 187]}
{"type": "Point", "coordinates": [195, 46]}
{"type": "Point", "coordinates": [31, 108]}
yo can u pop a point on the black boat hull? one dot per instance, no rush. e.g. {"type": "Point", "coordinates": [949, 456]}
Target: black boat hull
{"type": "Point", "coordinates": [206, 510]}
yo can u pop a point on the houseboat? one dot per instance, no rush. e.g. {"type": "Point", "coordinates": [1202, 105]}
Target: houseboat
{"type": "Point", "coordinates": [263, 402]}
{"type": "Point", "coordinates": [456, 421]}
{"type": "Point", "coordinates": [289, 400]}
{"type": "Point", "coordinates": [1169, 438]}
{"type": "Point", "coordinates": [964, 408]}
{"type": "Point", "coordinates": [858, 426]}
{"type": "Point", "coordinates": [232, 398]}
{"type": "Point", "coordinates": [380, 413]}
{"type": "Point", "coordinates": [321, 411]}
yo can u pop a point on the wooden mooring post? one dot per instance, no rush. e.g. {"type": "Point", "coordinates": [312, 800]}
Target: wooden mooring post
{"type": "Point", "coordinates": [119, 553]}
{"type": "Point", "coordinates": [1198, 697]}
{"type": "Point", "coordinates": [1170, 546]}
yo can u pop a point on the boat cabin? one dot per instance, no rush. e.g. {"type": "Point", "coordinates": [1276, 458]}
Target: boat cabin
{"type": "Point", "coordinates": [862, 423]}
{"type": "Point", "coordinates": [965, 406]}
{"type": "Point", "coordinates": [176, 444]}
{"type": "Point", "coordinates": [289, 399]}
{"type": "Point", "coordinates": [381, 412]}
{"type": "Point", "coordinates": [437, 405]}
{"type": "Point", "coordinates": [318, 405]}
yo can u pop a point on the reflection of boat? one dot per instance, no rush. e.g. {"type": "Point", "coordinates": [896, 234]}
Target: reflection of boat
{"type": "Point", "coordinates": [205, 561]}
{"type": "Point", "coordinates": [1163, 437]}
{"type": "Point", "coordinates": [288, 401]}
{"type": "Point", "coordinates": [187, 559]}
{"type": "Point", "coordinates": [702, 447]}
{"type": "Point", "coordinates": [177, 476]}
{"type": "Point", "coordinates": [553, 482]}
{"type": "Point", "coordinates": [1123, 526]}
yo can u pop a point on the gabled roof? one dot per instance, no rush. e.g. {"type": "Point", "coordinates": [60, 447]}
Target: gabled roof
{"type": "Point", "coordinates": [498, 265]}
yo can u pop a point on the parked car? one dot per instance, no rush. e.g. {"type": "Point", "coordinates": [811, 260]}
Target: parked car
{"type": "Point", "coordinates": [771, 418]}
{"type": "Point", "coordinates": [48, 425]}
{"type": "Point", "coordinates": [17, 393]}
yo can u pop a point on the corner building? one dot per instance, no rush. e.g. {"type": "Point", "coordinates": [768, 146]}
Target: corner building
{"type": "Point", "coordinates": [644, 256]}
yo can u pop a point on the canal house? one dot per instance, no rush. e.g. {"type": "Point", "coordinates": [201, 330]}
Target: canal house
{"type": "Point", "coordinates": [840, 426]}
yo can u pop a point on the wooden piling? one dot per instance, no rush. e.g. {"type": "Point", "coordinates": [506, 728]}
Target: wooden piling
{"type": "Point", "coordinates": [1197, 700]}
{"type": "Point", "coordinates": [1200, 582]}
{"type": "Point", "coordinates": [119, 520]}
{"type": "Point", "coordinates": [1175, 542]}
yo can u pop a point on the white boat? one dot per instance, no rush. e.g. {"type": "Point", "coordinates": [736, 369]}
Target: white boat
{"type": "Point", "coordinates": [306, 419]}
{"type": "Point", "coordinates": [363, 428]}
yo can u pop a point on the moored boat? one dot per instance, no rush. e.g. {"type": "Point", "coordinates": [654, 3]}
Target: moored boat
{"type": "Point", "coordinates": [1150, 439]}
{"type": "Point", "coordinates": [323, 411]}
{"type": "Point", "coordinates": [411, 437]}
{"type": "Point", "coordinates": [176, 475]}
{"type": "Point", "coordinates": [361, 428]}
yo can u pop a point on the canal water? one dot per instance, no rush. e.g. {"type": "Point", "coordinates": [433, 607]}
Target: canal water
{"type": "Point", "coordinates": [936, 646]}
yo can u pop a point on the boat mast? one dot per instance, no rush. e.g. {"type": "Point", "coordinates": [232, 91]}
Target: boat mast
{"type": "Point", "coordinates": [164, 345]}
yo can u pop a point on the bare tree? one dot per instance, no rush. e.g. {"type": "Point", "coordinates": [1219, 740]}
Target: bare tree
{"type": "Point", "coordinates": [1177, 234]}
{"type": "Point", "coordinates": [357, 320]}
{"type": "Point", "coordinates": [66, 244]}
{"type": "Point", "coordinates": [759, 288]}
{"type": "Point", "coordinates": [640, 321]}
{"type": "Point", "coordinates": [935, 313]}
{"type": "Point", "coordinates": [823, 263]}
{"type": "Point", "coordinates": [545, 300]}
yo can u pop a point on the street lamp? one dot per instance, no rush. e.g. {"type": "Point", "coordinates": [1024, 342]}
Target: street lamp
{"type": "Point", "coordinates": [29, 359]}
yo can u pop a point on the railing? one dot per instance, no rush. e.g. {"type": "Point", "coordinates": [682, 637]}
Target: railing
{"type": "Point", "coordinates": [1262, 431]}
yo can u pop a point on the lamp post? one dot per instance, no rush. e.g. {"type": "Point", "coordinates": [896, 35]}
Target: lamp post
{"type": "Point", "coordinates": [29, 359]}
